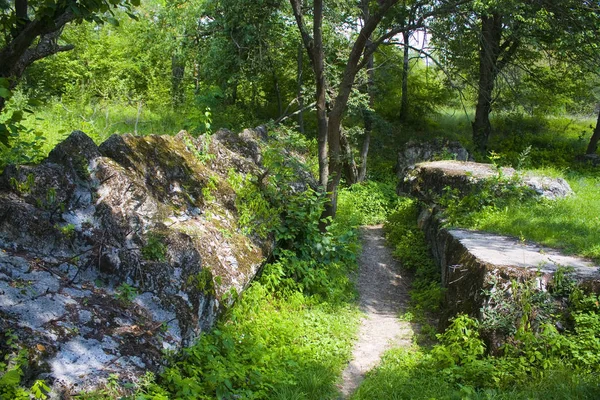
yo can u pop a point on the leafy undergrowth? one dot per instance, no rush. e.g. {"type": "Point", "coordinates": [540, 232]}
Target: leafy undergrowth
{"type": "Point", "coordinates": [409, 374]}
{"type": "Point", "coordinates": [271, 347]}
{"type": "Point", "coordinates": [535, 360]}
{"type": "Point", "coordinates": [366, 203]}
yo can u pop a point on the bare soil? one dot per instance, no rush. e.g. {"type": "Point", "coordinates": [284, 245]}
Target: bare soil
{"type": "Point", "coordinates": [383, 294]}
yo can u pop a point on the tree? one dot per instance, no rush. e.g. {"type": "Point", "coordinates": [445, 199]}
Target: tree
{"type": "Point", "coordinates": [330, 118]}
{"type": "Point", "coordinates": [575, 26]}
{"type": "Point", "coordinates": [31, 31]}
{"type": "Point", "coordinates": [492, 32]}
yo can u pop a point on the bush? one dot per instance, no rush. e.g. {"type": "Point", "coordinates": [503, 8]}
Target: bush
{"type": "Point", "coordinates": [367, 203]}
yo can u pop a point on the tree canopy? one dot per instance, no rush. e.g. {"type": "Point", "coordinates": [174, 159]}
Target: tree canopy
{"type": "Point", "coordinates": [340, 71]}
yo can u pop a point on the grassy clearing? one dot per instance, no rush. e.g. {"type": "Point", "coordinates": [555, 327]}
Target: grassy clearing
{"type": "Point", "coordinates": [571, 224]}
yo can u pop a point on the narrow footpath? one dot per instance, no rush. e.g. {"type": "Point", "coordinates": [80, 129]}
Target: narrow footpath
{"type": "Point", "coordinates": [383, 294]}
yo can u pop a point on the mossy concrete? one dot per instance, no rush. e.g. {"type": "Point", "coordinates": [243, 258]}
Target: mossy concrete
{"type": "Point", "coordinates": [428, 181]}
{"type": "Point", "coordinates": [472, 262]}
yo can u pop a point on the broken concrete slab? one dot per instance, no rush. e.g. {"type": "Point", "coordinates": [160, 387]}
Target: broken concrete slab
{"type": "Point", "coordinates": [472, 262]}
{"type": "Point", "coordinates": [429, 180]}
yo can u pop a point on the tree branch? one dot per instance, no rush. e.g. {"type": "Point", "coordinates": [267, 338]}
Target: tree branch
{"type": "Point", "coordinates": [307, 40]}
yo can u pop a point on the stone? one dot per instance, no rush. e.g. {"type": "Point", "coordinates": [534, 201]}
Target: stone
{"type": "Point", "coordinates": [471, 261]}
{"type": "Point", "coordinates": [415, 152]}
{"type": "Point", "coordinates": [429, 180]}
{"type": "Point", "coordinates": [110, 254]}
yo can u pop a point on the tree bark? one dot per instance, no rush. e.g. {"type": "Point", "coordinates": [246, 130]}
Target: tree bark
{"type": "Point", "coordinates": [489, 49]}
{"type": "Point", "coordinates": [314, 48]}
{"type": "Point", "coordinates": [368, 122]}
{"type": "Point", "coordinates": [300, 79]}
{"type": "Point", "coordinates": [364, 151]}
{"type": "Point", "coordinates": [493, 57]}
{"type": "Point", "coordinates": [593, 145]}
{"type": "Point", "coordinates": [350, 169]}
{"type": "Point", "coordinates": [319, 67]}
{"type": "Point", "coordinates": [367, 114]}
{"type": "Point", "coordinates": [405, 66]}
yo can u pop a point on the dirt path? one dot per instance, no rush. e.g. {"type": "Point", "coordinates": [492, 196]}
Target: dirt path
{"type": "Point", "coordinates": [383, 293]}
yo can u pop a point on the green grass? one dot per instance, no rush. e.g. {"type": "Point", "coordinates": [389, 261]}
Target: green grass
{"type": "Point", "coordinates": [571, 224]}
{"type": "Point", "coordinates": [405, 374]}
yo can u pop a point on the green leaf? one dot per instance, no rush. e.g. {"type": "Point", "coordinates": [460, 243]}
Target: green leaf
{"type": "Point", "coordinates": [17, 116]}
{"type": "Point", "coordinates": [11, 377]}
{"type": "Point", "coordinates": [112, 21]}
{"type": "Point", "coordinates": [4, 135]}
{"type": "Point", "coordinates": [4, 92]}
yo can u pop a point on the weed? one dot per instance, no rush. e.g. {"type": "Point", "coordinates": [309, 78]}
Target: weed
{"type": "Point", "coordinates": [209, 189]}
{"type": "Point", "coordinates": [155, 249]}
{"type": "Point", "coordinates": [126, 293]}
{"type": "Point", "coordinates": [12, 367]}
{"type": "Point", "coordinates": [23, 187]}
{"type": "Point", "coordinates": [68, 230]}
{"type": "Point", "coordinates": [203, 281]}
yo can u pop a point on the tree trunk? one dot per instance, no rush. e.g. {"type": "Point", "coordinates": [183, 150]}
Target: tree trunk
{"type": "Point", "coordinates": [494, 55]}
{"type": "Point", "coordinates": [300, 79]}
{"type": "Point", "coordinates": [319, 67]}
{"type": "Point", "coordinates": [367, 116]}
{"type": "Point", "coordinates": [177, 74]}
{"type": "Point", "coordinates": [405, 66]}
{"type": "Point", "coordinates": [350, 170]}
{"type": "Point", "coordinates": [364, 152]}
{"type": "Point", "coordinates": [368, 121]}
{"type": "Point", "coordinates": [489, 50]}
{"type": "Point", "coordinates": [593, 145]}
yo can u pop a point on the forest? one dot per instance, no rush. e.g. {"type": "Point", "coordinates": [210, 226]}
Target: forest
{"type": "Point", "coordinates": [517, 83]}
